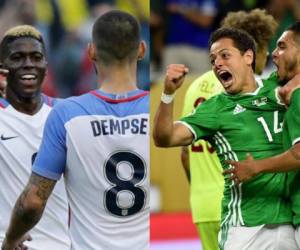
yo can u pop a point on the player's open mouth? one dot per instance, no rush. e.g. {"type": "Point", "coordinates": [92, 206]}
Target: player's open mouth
{"type": "Point", "coordinates": [225, 77]}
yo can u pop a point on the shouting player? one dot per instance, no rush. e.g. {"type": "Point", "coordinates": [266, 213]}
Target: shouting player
{"type": "Point", "coordinates": [200, 159]}
{"type": "Point", "coordinates": [254, 213]}
{"type": "Point", "coordinates": [286, 57]}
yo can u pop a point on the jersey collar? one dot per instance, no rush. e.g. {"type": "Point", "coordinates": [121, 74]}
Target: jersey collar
{"type": "Point", "coordinates": [119, 98]}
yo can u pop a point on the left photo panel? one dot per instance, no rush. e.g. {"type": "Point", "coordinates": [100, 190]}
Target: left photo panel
{"type": "Point", "coordinates": [75, 130]}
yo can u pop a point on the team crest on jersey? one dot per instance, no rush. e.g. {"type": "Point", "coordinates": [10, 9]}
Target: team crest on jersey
{"type": "Point", "coordinates": [238, 109]}
{"type": "Point", "coordinates": [260, 102]}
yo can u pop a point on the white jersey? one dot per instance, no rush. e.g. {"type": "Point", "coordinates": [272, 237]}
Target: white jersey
{"type": "Point", "coordinates": [100, 142]}
{"type": "Point", "coordinates": [20, 138]}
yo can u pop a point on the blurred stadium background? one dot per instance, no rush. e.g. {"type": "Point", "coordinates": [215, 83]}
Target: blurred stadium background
{"type": "Point", "coordinates": [66, 27]}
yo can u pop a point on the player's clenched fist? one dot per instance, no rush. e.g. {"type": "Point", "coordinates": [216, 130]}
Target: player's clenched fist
{"type": "Point", "coordinates": [174, 77]}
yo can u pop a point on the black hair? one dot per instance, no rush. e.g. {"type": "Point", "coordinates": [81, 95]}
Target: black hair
{"type": "Point", "coordinates": [116, 36]}
{"type": "Point", "coordinates": [241, 40]}
{"type": "Point", "coordinates": [295, 28]}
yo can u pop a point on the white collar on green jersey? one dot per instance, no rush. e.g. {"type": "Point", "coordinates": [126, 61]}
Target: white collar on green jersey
{"type": "Point", "coordinates": [259, 84]}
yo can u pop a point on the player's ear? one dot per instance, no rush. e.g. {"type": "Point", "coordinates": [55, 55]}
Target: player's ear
{"type": "Point", "coordinates": [92, 51]}
{"type": "Point", "coordinates": [142, 50]}
{"type": "Point", "coordinates": [249, 56]}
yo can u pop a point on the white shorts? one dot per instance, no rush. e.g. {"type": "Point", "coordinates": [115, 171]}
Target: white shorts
{"type": "Point", "coordinates": [264, 237]}
{"type": "Point", "coordinates": [297, 236]}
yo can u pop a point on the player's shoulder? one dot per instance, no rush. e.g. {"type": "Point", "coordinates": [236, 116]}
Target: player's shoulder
{"type": "Point", "coordinates": [143, 100]}
{"type": "Point", "coordinates": [70, 106]}
{"type": "Point", "coordinates": [270, 87]}
{"type": "Point", "coordinates": [49, 100]}
{"type": "Point", "coordinates": [295, 99]}
{"type": "Point", "coordinates": [72, 100]}
{"type": "Point", "coordinates": [3, 103]}
{"type": "Point", "coordinates": [271, 81]}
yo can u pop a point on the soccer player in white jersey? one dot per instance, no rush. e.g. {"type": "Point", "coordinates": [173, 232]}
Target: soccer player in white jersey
{"type": "Point", "coordinates": [100, 143]}
{"type": "Point", "coordinates": [23, 115]}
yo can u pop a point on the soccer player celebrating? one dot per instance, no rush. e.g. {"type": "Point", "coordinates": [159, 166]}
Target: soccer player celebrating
{"type": "Point", "coordinates": [254, 213]}
{"type": "Point", "coordinates": [23, 115]}
{"type": "Point", "coordinates": [200, 159]}
{"type": "Point", "coordinates": [100, 143]}
{"type": "Point", "coordinates": [286, 57]}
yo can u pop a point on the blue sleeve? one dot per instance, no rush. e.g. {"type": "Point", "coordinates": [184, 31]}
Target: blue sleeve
{"type": "Point", "coordinates": [51, 158]}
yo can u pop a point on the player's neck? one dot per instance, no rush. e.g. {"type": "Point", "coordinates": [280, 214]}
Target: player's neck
{"type": "Point", "coordinates": [29, 106]}
{"type": "Point", "coordinates": [251, 85]}
{"type": "Point", "coordinates": [118, 78]}
{"type": "Point", "coordinates": [293, 73]}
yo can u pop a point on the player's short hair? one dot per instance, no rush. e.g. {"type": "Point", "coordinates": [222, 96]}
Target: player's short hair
{"type": "Point", "coordinates": [260, 25]}
{"type": "Point", "coordinates": [241, 40]}
{"type": "Point", "coordinates": [17, 32]}
{"type": "Point", "coordinates": [295, 28]}
{"type": "Point", "coordinates": [116, 36]}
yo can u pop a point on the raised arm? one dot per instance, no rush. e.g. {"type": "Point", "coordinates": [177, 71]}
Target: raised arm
{"type": "Point", "coordinates": [28, 210]}
{"type": "Point", "coordinates": [166, 133]}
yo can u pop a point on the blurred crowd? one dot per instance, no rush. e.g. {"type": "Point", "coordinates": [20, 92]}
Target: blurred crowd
{"type": "Point", "coordinates": [180, 29]}
{"type": "Point", "coordinates": [66, 27]}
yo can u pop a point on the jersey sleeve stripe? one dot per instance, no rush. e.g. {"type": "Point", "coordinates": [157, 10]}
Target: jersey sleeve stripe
{"type": "Point", "coordinates": [3, 103]}
{"type": "Point", "coordinates": [190, 128]}
{"type": "Point", "coordinates": [45, 173]}
{"type": "Point", "coordinates": [296, 141]}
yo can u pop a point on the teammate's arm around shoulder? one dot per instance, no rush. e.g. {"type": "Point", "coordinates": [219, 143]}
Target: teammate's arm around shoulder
{"type": "Point", "coordinates": [166, 133]}
{"type": "Point", "coordinates": [287, 90]}
{"type": "Point", "coordinates": [28, 210]}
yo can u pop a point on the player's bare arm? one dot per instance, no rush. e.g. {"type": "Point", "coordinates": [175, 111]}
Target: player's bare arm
{"type": "Point", "coordinates": [166, 133]}
{"type": "Point", "coordinates": [186, 162]}
{"type": "Point", "coordinates": [244, 170]}
{"type": "Point", "coordinates": [28, 210]}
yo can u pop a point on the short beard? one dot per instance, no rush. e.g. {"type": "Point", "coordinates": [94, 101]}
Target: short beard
{"type": "Point", "coordinates": [290, 68]}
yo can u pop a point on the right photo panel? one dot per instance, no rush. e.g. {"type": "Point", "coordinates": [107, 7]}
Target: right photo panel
{"type": "Point", "coordinates": [225, 124]}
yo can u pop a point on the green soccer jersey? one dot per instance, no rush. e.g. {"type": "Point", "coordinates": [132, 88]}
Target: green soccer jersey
{"type": "Point", "coordinates": [207, 182]}
{"type": "Point", "coordinates": [291, 136]}
{"type": "Point", "coordinates": [236, 125]}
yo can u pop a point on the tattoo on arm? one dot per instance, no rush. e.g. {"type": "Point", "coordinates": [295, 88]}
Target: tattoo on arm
{"type": "Point", "coordinates": [44, 186]}
{"type": "Point", "coordinates": [30, 205]}
{"type": "Point", "coordinates": [19, 207]}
